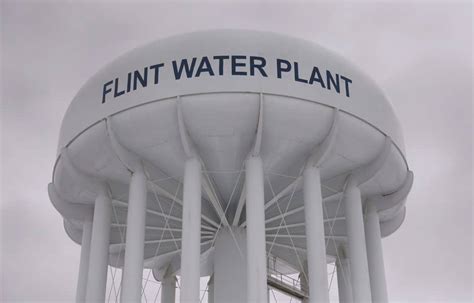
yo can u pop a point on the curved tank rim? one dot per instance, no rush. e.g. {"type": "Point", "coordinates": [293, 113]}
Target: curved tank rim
{"type": "Point", "coordinates": [400, 149]}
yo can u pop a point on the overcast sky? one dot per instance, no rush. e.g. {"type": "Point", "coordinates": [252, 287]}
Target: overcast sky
{"type": "Point", "coordinates": [418, 52]}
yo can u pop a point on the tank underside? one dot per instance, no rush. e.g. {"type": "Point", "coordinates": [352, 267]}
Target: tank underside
{"type": "Point", "coordinates": [222, 128]}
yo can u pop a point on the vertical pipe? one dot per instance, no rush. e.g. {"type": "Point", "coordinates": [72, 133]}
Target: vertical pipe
{"type": "Point", "coordinates": [210, 290]}
{"type": "Point", "coordinates": [343, 281]}
{"type": "Point", "coordinates": [304, 282]}
{"type": "Point", "coordinates": [191, 250]}
{"type": "Point", "coordinates": [99, 254]}
{"type": "Point", "coordinates": [378, 285]}
{"type": "Point", "coordinates": [315, 243]}
{"type": "Point", "coordinates": [230, 275]}
{"type": "Point", "coordinates": [356, 243]}
{"type": "Point", "coordinates": [135, 239]}
{"type": "Point", "coordinates": [84, 263]}
{"type": "Point", "coordinates": [256, 250]}
{"type": "Point", "coordinates": [168, 289]}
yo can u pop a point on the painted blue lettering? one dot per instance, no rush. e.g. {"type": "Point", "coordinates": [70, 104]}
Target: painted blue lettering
{"type": "Point", "coordinates": [297, 76]}
{"type": "Point", "coordinates": [204, 67]}
{"type": "Point", "coordinates": [184, 66]}
{"type": "Point", "coordinates": [221, 59]}
{"type": "Point", "coordinates": [116, 92]}
{"type": "Point", "coordinates": [316, 77]}
{"type": "Point", "coordinates": [106, 90]}
{"type": "Point", "coordinates": [280, 68]}
{"type": "Point", "coordinates": [346, 81]}
{"type": "Point", "coordinates": [330, 81]}
{"type": "Point", "coordinates": [257, 63]}
{"type": "Point", "coordinates": [236, 64]}
{"type": "Point", "coordinates": [156, 68]}
{"type": "Point", "coordinates": [138, 77]}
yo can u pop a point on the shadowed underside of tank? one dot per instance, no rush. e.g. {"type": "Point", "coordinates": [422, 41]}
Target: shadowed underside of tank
{"type": "Point", "coordinates": [222, 128]}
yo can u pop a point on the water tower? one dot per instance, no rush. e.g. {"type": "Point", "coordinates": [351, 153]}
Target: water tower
{"type": "Point", "coordinates": [236, 155]}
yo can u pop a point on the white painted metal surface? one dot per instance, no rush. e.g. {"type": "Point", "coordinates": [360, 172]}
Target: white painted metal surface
{"type": "Point", "coordinates": [168, 290]}
{"type": "Point", "coordinates": [190, 256]}
{"type": "Point", "coordinates": [373, 240]}
{"type": "Point", "coordinates": [99, 254]}
{"type": "Point", "coordinates": [356, 243]}
{"type": "Point", "coordinates": [248, 95]}
{"type": "Point", "coordinates": [366, 100]}
{"type": "Point", "coordinates": [316, 246]}
{"type": "Point", "coordinates": [344, 281]}
{"type": "Point", "coordinates": [135, 239]}
{"type": "Point", "coordinates": [84, 262]}
{"type": "Point", "coordinates": [210, 290]}
{"type": "Point", "coordinates": [230, 268]}
{"type": "Point", "coordinates": [256, 254]}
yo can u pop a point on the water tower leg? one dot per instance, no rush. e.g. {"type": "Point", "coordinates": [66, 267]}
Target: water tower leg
{"type": "Point", "coordinates": [304, 281]}
{"type": "Point", "coordinates": [168, 289]}
{"type": "Point", "coordinates": [315, 243]}
{"type": "Point", "coordinates": [344, 281]}
{"type": "Point", "coordinates": [375, 255]}
{"type": "Point", "coordinates": [210, 290]}
{"type": "Point", "coordinates": [191, 250]}
{"type": "Point", "coordinates": [356, 243]}
{"type": "Point", "coordinates": [256, 250]}
{"type": "Point", "coordinates": [84, 263]}
{"type": "Point", "coordinates": [230, 273]}
{"type": "Point", "coordinates": [99, 255]}
{"type": "Point", "coordinates": [135, 239]}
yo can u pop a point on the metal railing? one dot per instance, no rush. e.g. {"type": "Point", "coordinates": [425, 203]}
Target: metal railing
{"type": "Point", "coordinates": [283, 278]}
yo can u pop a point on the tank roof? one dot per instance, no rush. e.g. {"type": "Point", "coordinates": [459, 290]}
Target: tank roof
{"type": "Point", "coordinates": [229, 61]}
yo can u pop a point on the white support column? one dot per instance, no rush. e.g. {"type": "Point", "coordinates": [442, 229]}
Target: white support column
{"type": "Point", "coordinates": [84, 263]}
{"type": "Point", "coordinates": [99, 253]}
{"type": "Point", "coordinates": [230, 272]}
{"type": "Point", "coordinates": [168, 289]}
{"type": "Point", "coordinates": [315, 243]}
{"type": "Point", "coordinates": [344, 281]}
{"type": "Point", "coordinates": [135, 239]}
{"type": "Point", "coordinates": [304, 282]}
{"type": "Point", "coordinates": [356, 243]}
{"type": "Point", "coordinates": [210, 290]}
{"type": "Point", "coordinates": [191, 249]}
{"type": "Point", "coordinates": [256, 250]}
{"type": "Point", "coordinates": [378, 285]}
